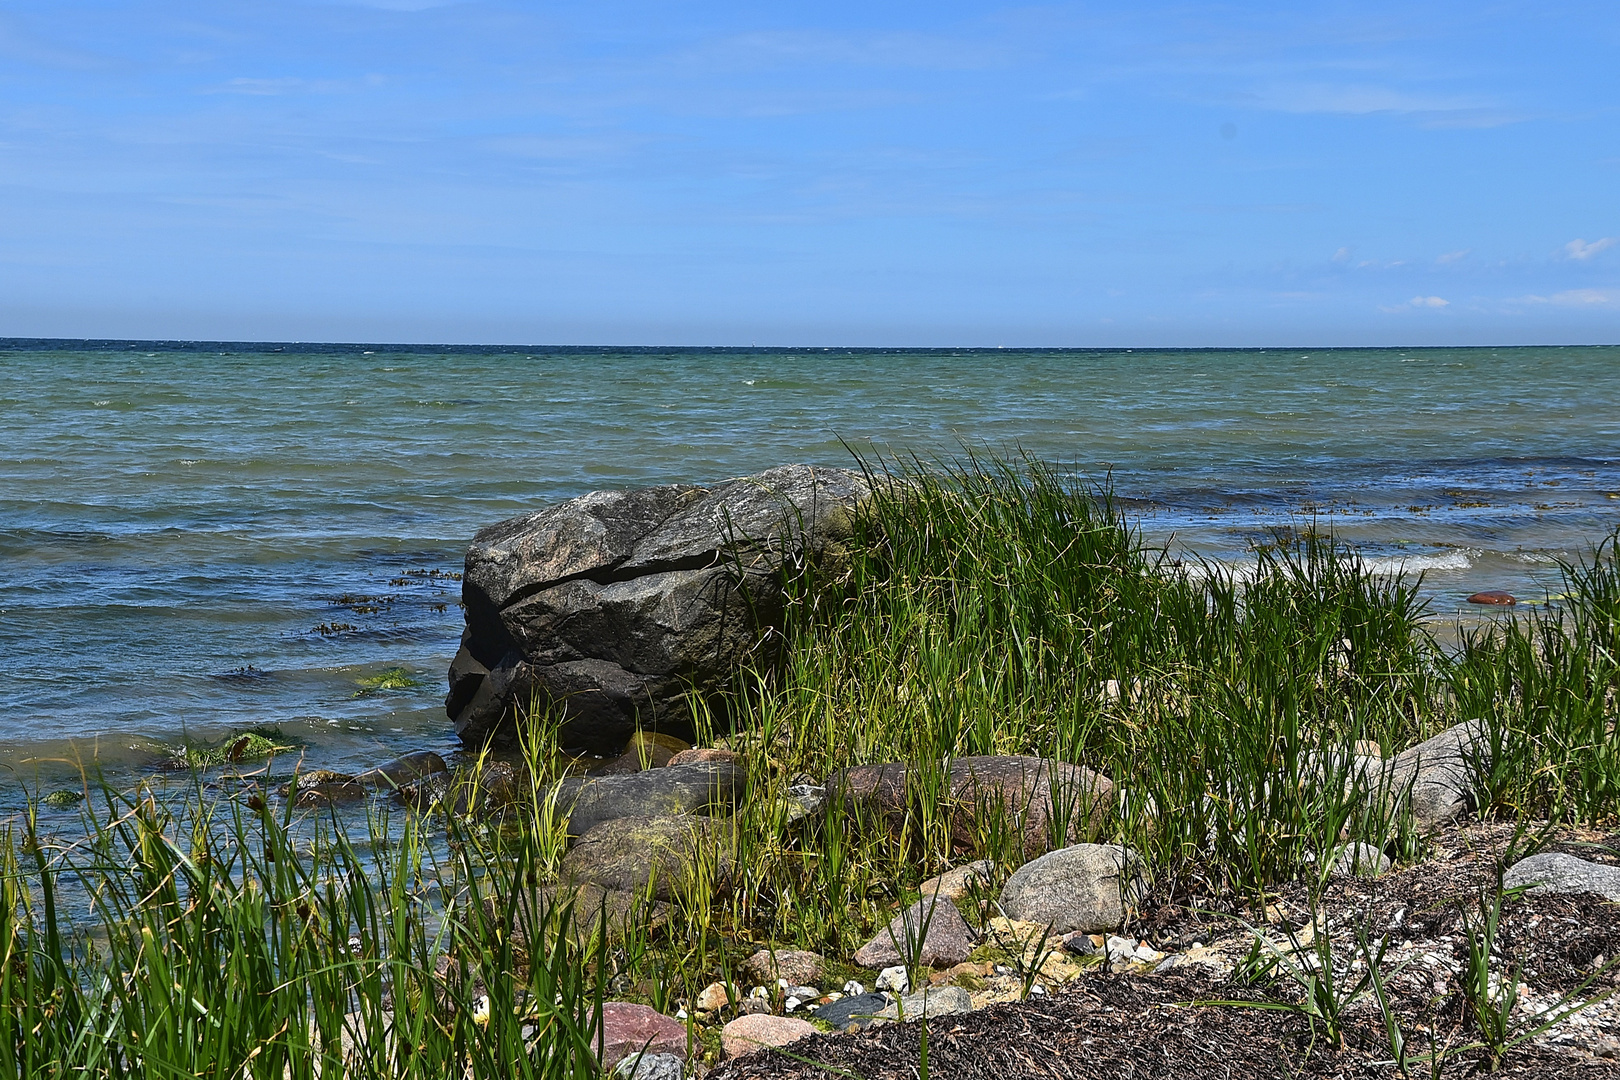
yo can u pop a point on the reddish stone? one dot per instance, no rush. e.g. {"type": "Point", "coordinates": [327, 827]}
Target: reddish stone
{"type": "Point", "coordinates": [628, 1029]}
{"type": "Point", "coordinates": [746, 1034]}
{"type": "Point", "coordinates": [1493, 598]}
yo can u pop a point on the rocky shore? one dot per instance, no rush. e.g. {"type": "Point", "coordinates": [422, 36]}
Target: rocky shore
{"type": "Point", "coordinates": [618, 615]}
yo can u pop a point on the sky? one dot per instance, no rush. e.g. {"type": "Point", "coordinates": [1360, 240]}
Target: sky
{"type": "Point", "coordinates": [830, 173]}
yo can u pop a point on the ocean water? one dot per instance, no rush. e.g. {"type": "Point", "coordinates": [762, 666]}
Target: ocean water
{"type": "Point", "coordinates": [201, 537]}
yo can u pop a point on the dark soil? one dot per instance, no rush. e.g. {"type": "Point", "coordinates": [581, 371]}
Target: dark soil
{"type": "Point", "coordinates": [1143, 1027]}
{"type": "Point", "coordinates": [1108, 1026]}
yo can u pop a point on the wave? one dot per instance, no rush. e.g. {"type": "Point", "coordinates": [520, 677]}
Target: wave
{"type": "Point", "coordinates": [1417, 564]}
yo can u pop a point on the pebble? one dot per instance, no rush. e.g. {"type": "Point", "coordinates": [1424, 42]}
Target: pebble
{"type": "Point", "coordinates": [893, 979]}
{"type": "Point", "coordinates": [651, 1067]}
{"type": "Point", "coordinates": [715, 997]}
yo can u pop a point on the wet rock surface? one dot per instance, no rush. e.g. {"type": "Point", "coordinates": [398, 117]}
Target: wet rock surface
{"type": "Point", "coordinates": [611, 608]}
{"type": "Point", "coordinates": [403, 770]}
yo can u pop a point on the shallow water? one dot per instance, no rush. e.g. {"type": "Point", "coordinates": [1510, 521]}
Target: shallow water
{"type": "Point", "coordinates": [195, 538]}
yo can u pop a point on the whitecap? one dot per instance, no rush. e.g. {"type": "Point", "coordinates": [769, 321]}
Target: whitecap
{"type": "Point", "coordinates": [1415, 564]}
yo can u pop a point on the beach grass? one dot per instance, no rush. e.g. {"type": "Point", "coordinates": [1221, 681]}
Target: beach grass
{"type": "Point", "coordinates": [982, 606]}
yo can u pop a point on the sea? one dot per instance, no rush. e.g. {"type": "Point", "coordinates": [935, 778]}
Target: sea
{"type": "Point", "coordinates": [202, 537]}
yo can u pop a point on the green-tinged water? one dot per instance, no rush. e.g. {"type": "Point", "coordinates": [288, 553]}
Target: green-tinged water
{"type": "Point", "coordinates": [198, 538]}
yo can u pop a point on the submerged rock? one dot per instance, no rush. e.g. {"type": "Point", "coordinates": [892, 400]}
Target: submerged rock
{"type": "Point", "coordinates": [611, 609]}
{"type": "Point", "coordinates": [1494, 598]}
{"type": "Point", "coordinates": [403, 770]}
{"type": "Point", "coordinates": [322, 787]}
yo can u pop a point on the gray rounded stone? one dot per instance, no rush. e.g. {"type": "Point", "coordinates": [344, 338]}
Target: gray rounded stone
{"type": "Point", "coordinates": [945, 937]}
{"type": "Point", "coordinates": [1553, 871]}
{"type": "Point", "coordinates": [1087, 887]}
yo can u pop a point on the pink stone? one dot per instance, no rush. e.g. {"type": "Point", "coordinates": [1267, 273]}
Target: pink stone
{"type": "Point", "coordinates": [746, 1034]}
{"type": "Point", "coordinates": [628, 1028]}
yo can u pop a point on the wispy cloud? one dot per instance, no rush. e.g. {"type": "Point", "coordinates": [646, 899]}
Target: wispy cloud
{"type": "Point", "coordinates": [291, 85]}
{"type": "Point", "coordinates": [769, 49]}
{"type": "Point", "coordinates": [1580, 249]}
{"type": "Point", "coordinates": [1452, 256]}
{"type": "Point", "coordinates": [1576, 298]}
{"type": "Point", "coordinates": [1419, 303]}
{"type": "Point", "coordinates": [1358, 100]}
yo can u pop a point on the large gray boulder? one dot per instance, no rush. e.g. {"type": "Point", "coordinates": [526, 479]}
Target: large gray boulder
{"type": "Point", "coordinates": [707, 787]}
{"type": "Point", "coordinates": [1087, 887]}
{"type": "Point", "coordinates": [656, 857]}
{"type": "Point", "coordinates": [1437, 779]}
{"type": "Point", "coordinates": [609, 609]}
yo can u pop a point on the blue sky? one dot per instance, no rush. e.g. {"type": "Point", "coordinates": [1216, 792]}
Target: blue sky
{"type": "Point", "coordinates": [830, 173]}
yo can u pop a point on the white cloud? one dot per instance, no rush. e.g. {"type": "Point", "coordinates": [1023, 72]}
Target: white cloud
{"type": "Point", "coordinates": [1580, 249]}
{"type": "Point", "coordinates": [1452, 256]}
{"type": "Point", "coordinates": [1419, 303]}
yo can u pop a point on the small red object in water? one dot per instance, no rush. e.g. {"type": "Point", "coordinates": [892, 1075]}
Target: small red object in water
{"type": "Point", "coordinates": [1497, 599]}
